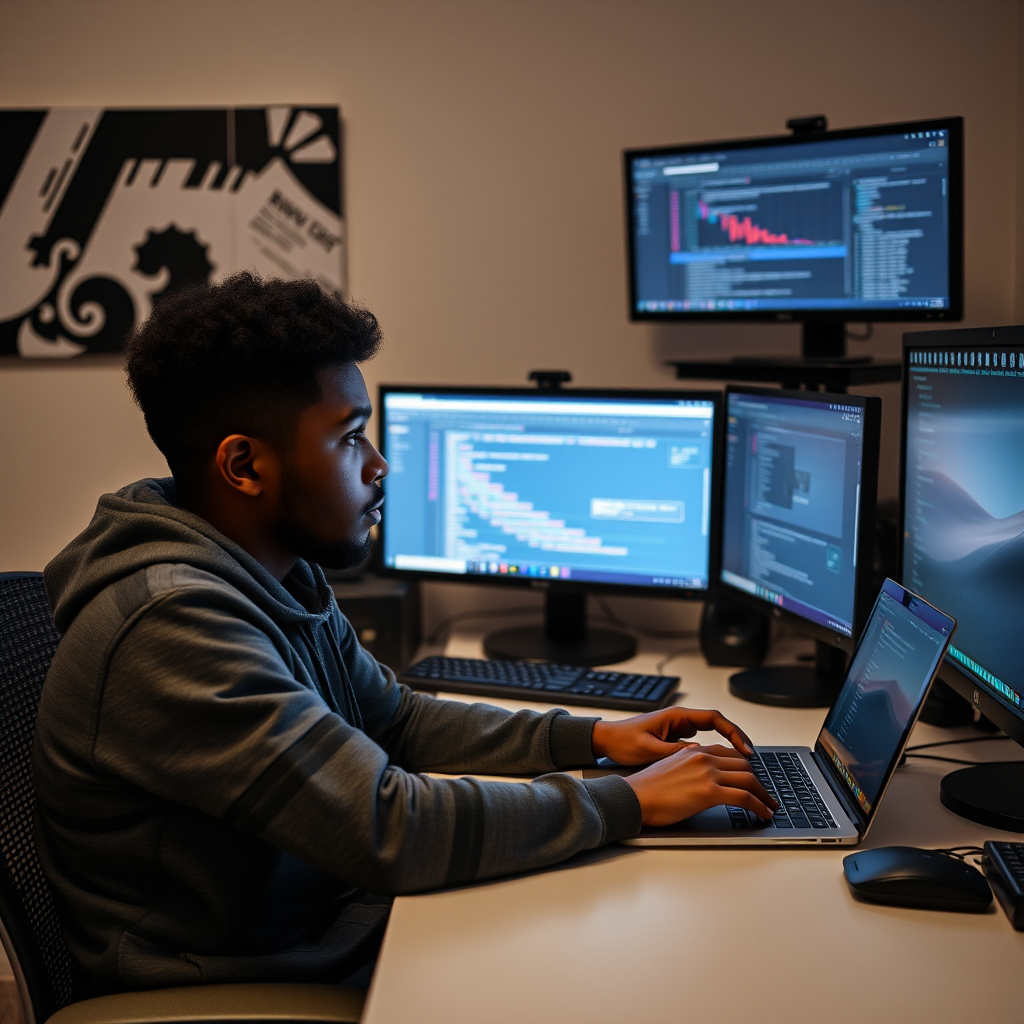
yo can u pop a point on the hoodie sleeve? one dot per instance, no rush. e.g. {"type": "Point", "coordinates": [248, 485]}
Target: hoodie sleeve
{"type": "Point", "coordinates": [200, 707]}
{"type": "Point", "coordinates": [423, 734]}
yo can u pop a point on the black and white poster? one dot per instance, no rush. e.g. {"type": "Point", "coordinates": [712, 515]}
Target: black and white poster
{"type": "Point", "coordinates": [104, 211]}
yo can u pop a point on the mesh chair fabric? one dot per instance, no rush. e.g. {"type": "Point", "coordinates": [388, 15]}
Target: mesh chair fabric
{"type": "Point", "coordinates": [28, 639]}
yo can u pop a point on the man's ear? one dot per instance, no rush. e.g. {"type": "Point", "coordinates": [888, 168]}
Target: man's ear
{"type": "Point", "coordinates": [240, 460]}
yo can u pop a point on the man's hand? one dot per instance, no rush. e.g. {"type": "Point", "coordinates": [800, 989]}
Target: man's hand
{"type": "Point", "coordinates": [694, 779]}
{"type": "Point", "coordinates": [659, 734]}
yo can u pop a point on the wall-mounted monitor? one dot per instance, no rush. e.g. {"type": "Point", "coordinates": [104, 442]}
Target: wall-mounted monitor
{"type": "Point", "coordinates": [861, 224]}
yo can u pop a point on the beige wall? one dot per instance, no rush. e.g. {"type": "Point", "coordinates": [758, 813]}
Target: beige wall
{"type": "Point", "coordinates": [1018, 277]}
{"type": "Point", "coordinates": [483, 177]}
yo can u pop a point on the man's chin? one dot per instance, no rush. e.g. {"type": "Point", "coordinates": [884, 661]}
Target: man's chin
{"type": "Point", "coordinates": [339, 556]}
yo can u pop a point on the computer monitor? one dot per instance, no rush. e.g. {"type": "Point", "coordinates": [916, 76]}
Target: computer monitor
{"type": "Point", "coordinates": [862, 224]}
{"type": "Point", "coordinates": [963, 532]}
{"type": "Point", "coordinates": [800, 482]}
{"type": "Point", "coordinates": [571, 491]}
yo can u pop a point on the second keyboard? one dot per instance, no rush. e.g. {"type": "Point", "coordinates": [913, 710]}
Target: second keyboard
{"type": "Point", "coordinates": [541, 681]}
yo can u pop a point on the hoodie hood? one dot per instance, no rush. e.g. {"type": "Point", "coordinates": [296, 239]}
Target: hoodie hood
{"type": "Point", "coordinates": [140, 526]}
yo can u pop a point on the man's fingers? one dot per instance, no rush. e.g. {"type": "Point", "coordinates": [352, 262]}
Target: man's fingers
{"type": "Point", "coordinates": [673, 723]}
{"type": "Point", "coordinates": [745, 781]}
{"type": "Point", "coordinates": [746, 800]}
{"type": "Point", "coordinates": [718, 750]}
{"type": "Point", "coordinates": [733, 733]}
{"type": "Point", "coordinates": [655, 749]}
{"type": "Point", "coordinates": [708, 721]}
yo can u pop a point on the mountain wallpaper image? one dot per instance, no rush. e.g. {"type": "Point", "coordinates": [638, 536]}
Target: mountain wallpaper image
{"type": "Point", "coordinates": [971, 564]}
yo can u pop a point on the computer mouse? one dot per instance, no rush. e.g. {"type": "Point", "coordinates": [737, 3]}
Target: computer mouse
{"type": "Point", "coordinates": [905, 876]}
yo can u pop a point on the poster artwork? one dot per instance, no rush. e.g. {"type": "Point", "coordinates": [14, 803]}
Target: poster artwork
{"type": "Point", "coordinates": [103, 212]}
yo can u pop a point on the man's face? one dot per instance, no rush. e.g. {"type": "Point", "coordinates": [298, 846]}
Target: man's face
{"type": "Point", "coordinates": [330, 479]}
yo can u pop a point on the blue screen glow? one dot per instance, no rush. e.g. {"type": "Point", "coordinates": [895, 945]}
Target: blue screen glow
{"type": "Point", "coordinates": [607, 490]}
{"type": "Point", "coordinates": [964, 504]}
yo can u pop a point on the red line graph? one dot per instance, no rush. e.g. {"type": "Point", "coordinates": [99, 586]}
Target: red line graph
{"type": "Point", "coordinates": [745, 230]}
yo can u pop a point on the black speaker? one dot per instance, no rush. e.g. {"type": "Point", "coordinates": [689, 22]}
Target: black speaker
{"type": "Point", "coordinates": [733, 634]}
{"type": "Point", "coordinates": [385, 613]}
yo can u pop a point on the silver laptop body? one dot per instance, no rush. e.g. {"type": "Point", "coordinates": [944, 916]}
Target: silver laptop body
{"type": "Point", "coordinates": [859, 746]}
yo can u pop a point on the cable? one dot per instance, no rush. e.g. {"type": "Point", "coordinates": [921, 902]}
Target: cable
{"type": "Point", "coordinates": [961, 853]}
{"type": "Point", "coordinates": [671, 656]}
{"type": "Point", "coordinates": [955, 760]}
{"type": "Point", "coordinates": [654, 634]}
{"type": "Point", "coordinates": [949, 760]}
{"type": "Point", "coordinates": [608, 616]}
{"type": "Point", "coordinates": [869, 333]}
{"type": "Point", "coordinates": [439, 630]}
{"type": "Point", "coordinates": [953, 743]}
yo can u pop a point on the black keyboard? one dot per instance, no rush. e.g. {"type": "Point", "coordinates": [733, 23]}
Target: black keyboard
{"type": "Point", "coordinates": [553, 684]}
{"type": "Point", "coordinates": [1004, 869]}
{"type": "Point", "coordinates": [787, 780]}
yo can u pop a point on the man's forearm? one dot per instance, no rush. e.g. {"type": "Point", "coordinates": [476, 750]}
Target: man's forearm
{"type": "Point", "coordinates": [448, 736]}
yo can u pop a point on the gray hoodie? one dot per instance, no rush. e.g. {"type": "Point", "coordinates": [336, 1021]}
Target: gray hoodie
{"type": "Point", "coordinates": [227, 781]}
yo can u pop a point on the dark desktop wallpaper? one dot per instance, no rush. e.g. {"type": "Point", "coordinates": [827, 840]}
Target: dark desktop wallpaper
{"type": "Point", "coordinates": [964, 545]}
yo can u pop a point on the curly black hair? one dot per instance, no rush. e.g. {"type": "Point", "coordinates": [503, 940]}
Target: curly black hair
{"type": "Point", "coordinates": [239, 357]}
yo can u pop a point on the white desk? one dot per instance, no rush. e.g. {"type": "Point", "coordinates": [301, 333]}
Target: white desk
{"type": "Point", "coordinates": [625, 934]}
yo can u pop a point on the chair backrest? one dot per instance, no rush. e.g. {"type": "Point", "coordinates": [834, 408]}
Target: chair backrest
{"type": "Point", "coordinates": [31, 928]}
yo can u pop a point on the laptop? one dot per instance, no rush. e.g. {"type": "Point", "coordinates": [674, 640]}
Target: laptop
{"type": "Point", "coordinates": [830, 794]}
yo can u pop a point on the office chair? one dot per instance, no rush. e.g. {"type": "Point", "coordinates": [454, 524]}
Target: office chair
{"type": "Point", "coordinates": [29, 927]}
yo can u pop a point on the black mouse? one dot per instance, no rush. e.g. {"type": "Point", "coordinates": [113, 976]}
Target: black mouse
{"type": "Point", "coordinates": [907, 877]}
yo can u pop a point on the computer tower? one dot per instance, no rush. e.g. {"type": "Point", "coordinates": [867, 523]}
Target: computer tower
{"type": "Point", "coordinates": [385, 613]}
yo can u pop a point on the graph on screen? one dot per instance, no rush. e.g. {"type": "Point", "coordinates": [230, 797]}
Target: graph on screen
{"type": "Point", "coordinates": [797, 214]}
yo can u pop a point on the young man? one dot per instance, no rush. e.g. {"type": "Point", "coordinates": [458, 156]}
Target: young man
{"type": "Point", "coordinates": [228, 784]}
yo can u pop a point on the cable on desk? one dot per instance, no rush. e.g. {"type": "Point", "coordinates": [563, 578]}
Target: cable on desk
{"type": "Point", "coordinates": [949, 760]}
{"type": "Point", "coordinates": [654, 634]}
{"type": "Point", "coordinates": [672, 655]}
{"type": "Point", "coordinates": [439, 630]}
{"type": "Point", "coordinates": [913, 751]}
{"type": "Point", "coordinates": [608, 616]}
{"type": "Point", "coordinates": [953, 743]}
{"type": "Point", "coordinates": [961, 853]}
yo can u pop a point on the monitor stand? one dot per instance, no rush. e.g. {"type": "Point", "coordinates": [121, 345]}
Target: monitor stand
{"type": "Point", "coordinates": [990, 794]}
{"type": "Point", "coordinates": [794, 686]}
{"type": "Point", "coordinates": [821, 341]}
{"type": "Point", "coordinates": [564, 638]}
{"type": "Point", "coordinates": [822, 363]}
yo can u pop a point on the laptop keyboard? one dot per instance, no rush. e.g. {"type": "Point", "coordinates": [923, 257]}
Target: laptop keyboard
{"type": "Point", "coordinates": [787, 780]}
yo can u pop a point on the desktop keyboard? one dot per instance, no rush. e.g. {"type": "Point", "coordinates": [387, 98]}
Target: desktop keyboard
{"type": "Point", "coordinates": [541, 681]}
{"type": "Point", "coordinates": [787, 780]}
{"type": "Point", "coordinates": [1004, 869]}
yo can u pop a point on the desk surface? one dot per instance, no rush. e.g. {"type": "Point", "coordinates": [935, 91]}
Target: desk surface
{"type": "Point", "coordinates": [636, 934]}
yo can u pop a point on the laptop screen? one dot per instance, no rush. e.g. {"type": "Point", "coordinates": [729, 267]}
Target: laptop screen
{"type": "Point", "coordinates": [892, 667]}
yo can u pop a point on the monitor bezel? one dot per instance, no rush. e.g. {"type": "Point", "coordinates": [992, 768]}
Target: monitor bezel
{"type": "Point", "coordinates": [863, 598]}
{"type": "Point", "coordinates": [955, 127]}
{"type": "Point", "coordinates": [565, 586]}
{"type": "Point", "coordinates": [975, 691]}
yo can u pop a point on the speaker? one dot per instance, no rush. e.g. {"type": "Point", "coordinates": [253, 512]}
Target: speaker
{"type": "Point", "coordinates": [733, 634]}
{"type": "Point", "coordinates": [385, 613]}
